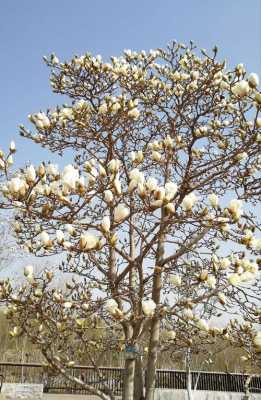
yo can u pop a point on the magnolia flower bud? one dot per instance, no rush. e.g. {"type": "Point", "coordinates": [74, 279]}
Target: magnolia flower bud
{"type": "Point", "coordinates": [12, 147]}
{"type": "Point", "coordinates": [106, 224]}
{"type": "Point", "coordinates": [108, 196]}
{"type": "Point", "coordinates": [203, 325]}
{"type": "Point", "coordinates": [170, 208]}
{"type": "Point", "coordinates": [148, 307]}
{"type": "Point", "coordinates": [28, 270]}
{"type": "Point", "coordinates": [121, 212]}
{"type": "Point", "coordinates": [114, 166]}
{"type": "Point", "coordinates": [253, 80]}
{"type": "Point", "coordinates": [213, 200]}
{"type": "Point", "coordinates": [241, 89]}
{"type": "Point", "coordinates": [222, 298]}
{"type": "Point", "coordinates": [203, 275]}
{"type": "Point", "coordinates": [44, 238]}
{"type": "Point", "coordinates": [258, 122]}
{"type": "Point", "coordinates": [235, 208]}
{"type": "Point", "coordinates": [211, 282]}
{"type": "Point", "coordinates": [189, 201]}
{"type": "Point", "coordinates": [30, 174]}
{"type": "Point", "coordinates": [175, 280]}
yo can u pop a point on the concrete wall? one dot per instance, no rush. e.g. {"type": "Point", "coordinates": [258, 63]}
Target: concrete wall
{"type": "Point", "coordinates": [169, 394]}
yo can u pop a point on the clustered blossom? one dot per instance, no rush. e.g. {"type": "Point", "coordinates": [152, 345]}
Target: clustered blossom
{"type": "Point", "coordinates": [161, 140]}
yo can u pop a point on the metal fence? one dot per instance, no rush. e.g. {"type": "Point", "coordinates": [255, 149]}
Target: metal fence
{"type": "Point", "coordinates": [113, 377]}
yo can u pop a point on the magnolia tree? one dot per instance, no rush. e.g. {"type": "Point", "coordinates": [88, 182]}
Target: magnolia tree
{"type": "Point", "coordinates": [151, 216]}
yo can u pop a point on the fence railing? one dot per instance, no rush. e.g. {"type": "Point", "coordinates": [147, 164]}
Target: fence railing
{"type": "Point", "coordinates": [113, 377]}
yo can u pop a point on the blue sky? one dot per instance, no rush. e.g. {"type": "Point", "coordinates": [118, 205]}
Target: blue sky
{"type": "Point", "coordinates": [30, 29]}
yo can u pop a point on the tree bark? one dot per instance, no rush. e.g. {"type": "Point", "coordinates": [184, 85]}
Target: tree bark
{"type": "Point", "coordinates": [138, 380]}
{"type": "Point", "coordinates": [128, 383]}
{"type": "Point", "coordinates": [151, 367]}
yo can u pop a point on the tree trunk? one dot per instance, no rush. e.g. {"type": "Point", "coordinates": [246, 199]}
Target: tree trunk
{"type": "Point", "coordinates": [189, 385]}
{"type": "Point", "coordinates": [138, 380]}
{"type": "Point", "coordinates": [151, 366]}
{"type": "Point", "coordinates": [128, 383]}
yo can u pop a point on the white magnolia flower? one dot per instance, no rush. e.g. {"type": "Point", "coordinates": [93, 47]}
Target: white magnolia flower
{"type": "Point", "coordinates": [189, 201]}
{"type": "Point", "coordinates": [111, 306]}
{"type": "Point", "coordinates": [66, 113]}
{"type": "Point", "coordinates": [203, 325]}
{"type": "Point", "coordinates": [253, 80]}
{"type": "Point", "coordinates": [213, 200]}
{"type": "Point", "coordinates": [224, 263]}
{"type": "Point", "coordinates": [108, 196]}
{"type": "Point", "coordinates": [241, 88]}
{"type": "Point", "coordinates": [88, 241]}
{"type": "Point", "coordinates": [256, 244]}
{"type": "Point", "coordinates": [44, 238]}
{"type": "Point", "coordinates": [148, 307]}
{"type": "Point", "coordinates": [175, 280]}
{"type": "Point", "coordinates": [16, 184]}
{"type": "Point", "coordinates": [106, 224]}
{"type": "Point", "coordinates": [170, 335]}
{"type": "Point", "coordinates": [30, 174]}
{"type": "Point", "coordinates": [70, 176]}
{"type": "Point", "coordinates": [156, 156]}
{"type": "Point", "coordinates": [257, 340]}
{"type": "Point", "coordinates": [114, 166]}
{"type": "Point", "coordinates": [121, 212]}
{"type": "Point", "coordinates": [134, 113]}
{"type": "Point", "coordinates": [188, 313]}
{"type": "Point", "coordinates": [137, 176]}
{"type": "Point", "coordinates": [235, 208]}
{"type": "Point", "coordinates": [234, 279]}
{"type": "Point", "coordinates": [211, 282]}
{"type": "Point", "coordinates": [52, 169]}
{"type": "Point", "coordinates": [103, 108]}
{"type": "Point", "coordinates": [151, 184]}
{"type": "Point", "coordinates": [241, 156]}
{"type": "Point", "coordinates": [41, 120]}
{"type": "Point", "coordinates": [28, 270]}
{"type": "Point", "coordinates": [247, 276]}
{"type": "Point", "coordinates": [59, 236]}
{"type": "Point", "coordinates": [70, 229]}
{"type": "Point", "coordinates": [170, 190]}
